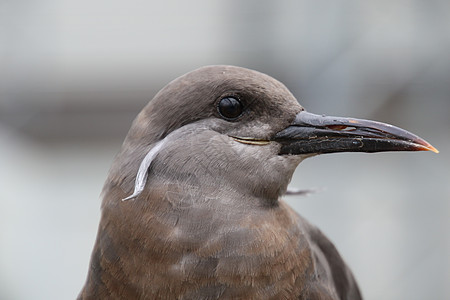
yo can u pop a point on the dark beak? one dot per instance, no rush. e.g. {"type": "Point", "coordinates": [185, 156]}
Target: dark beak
{"type": "Point", "coordinates": [310, 133]}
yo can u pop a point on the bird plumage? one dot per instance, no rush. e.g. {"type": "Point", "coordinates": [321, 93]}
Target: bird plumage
{"type": "Point", "coordinates": [206, 219]}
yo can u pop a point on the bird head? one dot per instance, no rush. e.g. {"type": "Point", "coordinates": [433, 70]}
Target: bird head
{"type": "Point", "coordinates": [230, 127]}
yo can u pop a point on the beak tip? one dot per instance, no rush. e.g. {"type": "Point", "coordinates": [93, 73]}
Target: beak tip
{"type": "Point", "coordinates": [434, 150]}
{"type": "Point", "coordinates": [428, 147]}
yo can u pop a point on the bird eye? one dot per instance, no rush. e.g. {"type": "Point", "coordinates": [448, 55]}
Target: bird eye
{"type": "Point", "coordinates": [230, 108]}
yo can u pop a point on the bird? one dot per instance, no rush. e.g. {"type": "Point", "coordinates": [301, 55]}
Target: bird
{"type": "Point", "coordinates": [192, 205]}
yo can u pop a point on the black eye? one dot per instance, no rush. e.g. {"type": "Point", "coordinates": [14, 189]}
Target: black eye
{"type": "Point", "coordinates": [230, 108]}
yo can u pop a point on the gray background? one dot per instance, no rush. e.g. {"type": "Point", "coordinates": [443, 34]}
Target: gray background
{"type": "Point", "coordinates": [73, 75]}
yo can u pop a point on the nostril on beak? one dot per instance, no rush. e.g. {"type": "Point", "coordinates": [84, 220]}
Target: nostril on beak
{"type": "Point", "coordinates": [341, 127]}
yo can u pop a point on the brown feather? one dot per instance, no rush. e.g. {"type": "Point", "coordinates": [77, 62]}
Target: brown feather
{"type": "Point", "coordinates": [210, 223]}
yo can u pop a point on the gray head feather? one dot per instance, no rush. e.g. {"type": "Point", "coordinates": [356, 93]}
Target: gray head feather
{"type": "Point", "coordinates": [141, 177]}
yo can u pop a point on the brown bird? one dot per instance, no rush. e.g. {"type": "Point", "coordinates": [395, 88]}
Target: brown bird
{"type": "Point", "coordinates": [192, 204]}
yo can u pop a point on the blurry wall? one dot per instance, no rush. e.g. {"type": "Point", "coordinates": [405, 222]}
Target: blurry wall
{"type": "Point", "coordinates": [73, 75]}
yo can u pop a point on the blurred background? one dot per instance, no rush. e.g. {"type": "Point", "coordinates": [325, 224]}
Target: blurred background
{"type": "Point", "coordinates": [74, 74]}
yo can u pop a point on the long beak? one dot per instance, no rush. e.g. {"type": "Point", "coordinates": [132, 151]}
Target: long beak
{"type": "Point", "coordinates": [310, 133]}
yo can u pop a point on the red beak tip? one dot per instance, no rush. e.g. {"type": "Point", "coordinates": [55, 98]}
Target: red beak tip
{"type": "Point", "coordinates": [434, 149]}
{"type": "Point", "coordinates": [428, 147]}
